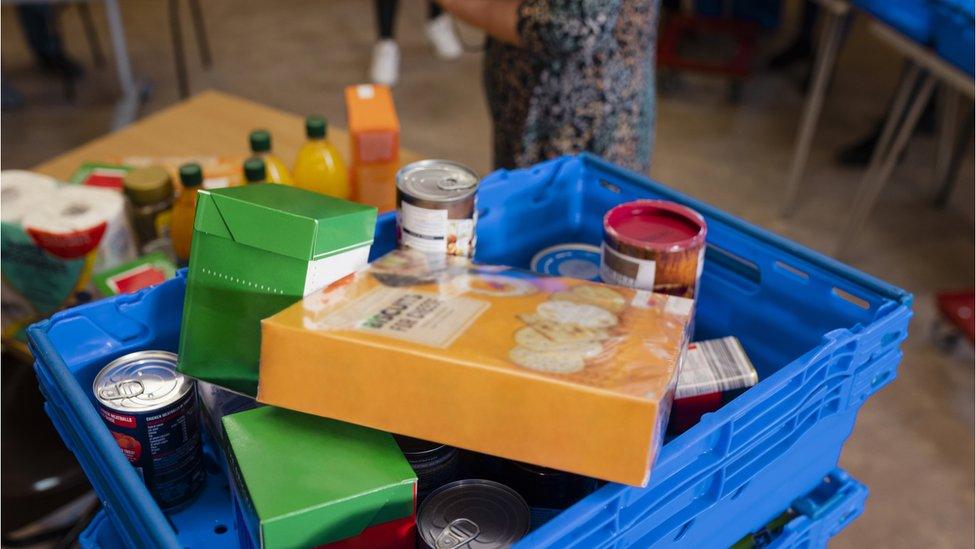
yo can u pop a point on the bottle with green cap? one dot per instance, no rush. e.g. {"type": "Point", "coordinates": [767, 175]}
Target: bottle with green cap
{"type": "Point", "coordinates": [277, 172]}
{"type": "Point", "coordinates": [181, 228]}
{"type": "Point", "coordinates": [319, 167]}
{"type": "Point", "coordinates": [255, 171]}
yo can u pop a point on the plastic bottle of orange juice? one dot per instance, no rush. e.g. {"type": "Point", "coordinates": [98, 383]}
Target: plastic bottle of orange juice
{"type": "Point", "coordinates": [319, 167]}
{"type": "Point", "coordinates": [277, 172]}
{"type": "Point", "coordinates": [181, 222]}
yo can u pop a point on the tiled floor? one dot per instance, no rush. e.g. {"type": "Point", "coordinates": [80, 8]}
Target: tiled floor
{"type": "Point", "coordinates": [913, 444]}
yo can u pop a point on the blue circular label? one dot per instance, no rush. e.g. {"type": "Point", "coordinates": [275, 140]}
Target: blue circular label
{"type": "Point", "coordinates": [580, 261]}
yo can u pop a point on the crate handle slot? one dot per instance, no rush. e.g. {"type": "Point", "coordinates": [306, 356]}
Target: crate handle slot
{"type": "Point", "coordinates": [798, 273]}
{"type": "Point", "coordinates": [734, 263]}
{"type": "Point", "coordinates": [858, 302]}
{"type": "Point", "coordinates": [609, 186]}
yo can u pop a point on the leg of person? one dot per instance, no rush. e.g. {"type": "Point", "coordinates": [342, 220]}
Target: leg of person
{"type": "Point", "coordinates": [39, 22]}
{"type": "Point", "coordinates": [440, 33]}
{"type": "Point", "coordinates": [385, 65]}
{"type": "Point", "coordinates": [802, 46]}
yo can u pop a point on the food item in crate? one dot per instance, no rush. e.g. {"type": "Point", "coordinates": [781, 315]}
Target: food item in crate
{"type": "Point", "coordinates": [712, 371]}
{"type": "Point", "coordinates": [435, 464]}
{"type": "Point", "coordinates": [547, 491]}
{"type": "Point", "coordinates": [472, 513]}
{"type": "Point", "coordinates": [148, 270]}
{"type": "Point", "coordinates": [256, 250]}
{"type": "Point", "coordinates": [260, 141]}
{"type": "Point", "coordinates": [181, 226]}
{"type": "Point", "coordinates": [574, 260]}
{"type": "Point", "coordinates": [151, 411]}
{"type": "Point", "coordinates": [100, 174]}
{"type": "Point", "coordinates": [304, 481]}
{"type": "Point", "coordinates": [653, 245]}
{"type": "Point", "coordinates": [437, 207]}
{"type": "Point", "coordinates": [150, 194]}
{"type": "Point", "coordinates": [565, 356]}
{"type": "Point", "coordinates": [53, 238]}
{"type": "Point", "coordinates": [255, 171]}
{"type": "Point", "coordinates": [319, 167]}
{"type": "Point", "coordinates": [374, 140]}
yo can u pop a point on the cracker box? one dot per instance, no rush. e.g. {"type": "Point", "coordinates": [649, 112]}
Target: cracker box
{"type": "Point", "coordinates": [558, 372]}
{"type": "Point", "coordinates": [374, 130]}
{"type": "Point", "coordinates": [256, 250]}
{"type": "Point", "coordinates": [304, 481]}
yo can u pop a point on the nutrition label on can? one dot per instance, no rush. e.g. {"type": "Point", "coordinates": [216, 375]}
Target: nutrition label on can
{"type": "Point", "coordinates": [622, 270]}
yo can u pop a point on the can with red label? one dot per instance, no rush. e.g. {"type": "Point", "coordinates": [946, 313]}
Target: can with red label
{"type": "Point", "coordinates": [151, 411]}
{"type": "Point", "coordinates": [653, 245]}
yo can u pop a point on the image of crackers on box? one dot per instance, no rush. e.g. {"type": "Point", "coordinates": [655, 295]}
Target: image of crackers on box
{"type": "Point", "coordinates": [256, 250]}
{"type": "Point", "coordinates": [557, 372]}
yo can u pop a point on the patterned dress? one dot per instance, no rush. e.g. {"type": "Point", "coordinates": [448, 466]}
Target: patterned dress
{"type": "Point", "coordinates": [582, 79]}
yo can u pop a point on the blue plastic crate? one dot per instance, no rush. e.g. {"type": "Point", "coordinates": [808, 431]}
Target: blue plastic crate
{"type": "Point", "coordinates": [913, 18]}
{"type": "Point", "coordinates": [954, 25]}
{"type": "Point", "coordinates": [823, 337]}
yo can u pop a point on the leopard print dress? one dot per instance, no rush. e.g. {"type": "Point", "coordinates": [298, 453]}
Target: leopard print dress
{"type": "Point", "coordinates": [582, 79]}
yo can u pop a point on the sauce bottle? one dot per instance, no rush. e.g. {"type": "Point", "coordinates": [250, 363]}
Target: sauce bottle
{"type": "Point", "coordinates": [150, 194]}
{"type": "Point", "coordinates": [181, 227]}
{"type": "Point", "coordinates": [319, 167]}
{"type": "Point", "coordinates": [277, 172]}
{"type": "Point", "coordinates": [255, 171]}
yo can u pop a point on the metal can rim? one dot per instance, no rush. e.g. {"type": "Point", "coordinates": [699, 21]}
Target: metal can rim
{"type": "Point", "coordinates": [517, 499]}
{"type": "Point", "coordinates": [613, 236]}
{"type": "Point", "coordinates": [165, 356]}
{"type": "Point", "coordinates": [406, 170]}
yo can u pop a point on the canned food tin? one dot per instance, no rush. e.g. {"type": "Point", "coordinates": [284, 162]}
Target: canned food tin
{"type": "Point", "coordinates": [472, 514]}
{"type": "Point", "coordinates": [653, 245]}
{"type": "Point", "coordinates": [570, 260]}
{"type": "Point", "coordinates": [437, 207]}
{"type": "Point", "coordinates": [435, 464]}
{"type": "Point", "coordinates": [547, 491]}
{"type": "Point", "coordinates": [151, 411]}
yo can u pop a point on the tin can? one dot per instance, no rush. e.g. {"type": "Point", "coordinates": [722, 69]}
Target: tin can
{"type": "Point", "coordinates": [435, 464]}
{"type": "Point", "coordinates": [547, 491]}
{"type": "Point", "coordinates": [575, 260]}
{"type": "Point", "coordinates": [151, 411]}
{"type": "Point", "coordinates": [472, 514]}
{"type": "Point", "coordinates": [437, 207]}
{"type": "Point", "coordinates": [653, 245]}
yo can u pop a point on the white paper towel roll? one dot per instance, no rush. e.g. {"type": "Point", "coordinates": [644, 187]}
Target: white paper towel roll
{"type": "Point", "coordinates": [76, 220]}
{"type": "Point", "coordinates": [21, 191]}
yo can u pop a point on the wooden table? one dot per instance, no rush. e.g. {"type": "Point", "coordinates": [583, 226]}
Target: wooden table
{"type": "Point", "coordinates": [210, 123]}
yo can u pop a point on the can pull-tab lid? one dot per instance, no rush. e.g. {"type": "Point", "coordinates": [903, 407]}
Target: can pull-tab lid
{"type": "Point", "coordinates": [457, 533]}
{"type": "Point", "coordinates": [125, 389]}
{"type": "Point", "coordinates": [454, 184]}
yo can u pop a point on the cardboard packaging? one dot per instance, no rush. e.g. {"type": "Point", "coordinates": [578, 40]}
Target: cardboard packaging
{"type": "Point", "coordinates": [557, 372]}
{"type": "Point", "coordinates": [375, 184]}
{"type": "Point", "coordinates": [257, 249]}
{"type": "Point", "coordinates": [147, 270]}
{"type": "Point", "coordinates": [303, 481]}
{"type": "Point", "coordinates": [374, 130]}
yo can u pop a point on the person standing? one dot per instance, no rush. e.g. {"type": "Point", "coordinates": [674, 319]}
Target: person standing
{"type": "Point", "coordinates": [385, 65]}
{"type": "Point", "coordinates": [566, 76]}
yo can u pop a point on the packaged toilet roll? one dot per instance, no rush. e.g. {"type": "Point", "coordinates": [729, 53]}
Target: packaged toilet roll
{"type": "Point", "coordinates": [53, 237]}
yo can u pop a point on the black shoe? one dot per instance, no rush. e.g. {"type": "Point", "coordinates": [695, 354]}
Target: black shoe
{"type": "Point", "coordinates": [62, 65]}
{"type": "Point", "coordinates": [858, 154]}
{"type": "Point", "coordinates": [799, 50]}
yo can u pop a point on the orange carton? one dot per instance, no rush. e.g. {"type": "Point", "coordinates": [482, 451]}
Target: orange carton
{"type": "Point", "coordinates": [374, 131]}
{"type": "Point", "coordinates": [556, 372]}
{"type": "Point", "coordinates": [375, 185]}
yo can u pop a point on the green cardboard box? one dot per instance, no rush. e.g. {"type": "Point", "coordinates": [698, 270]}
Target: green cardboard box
{"type": "Point", "coordinates": [257, 249]}
{"type": "Point", "coordinates": [305, 481]}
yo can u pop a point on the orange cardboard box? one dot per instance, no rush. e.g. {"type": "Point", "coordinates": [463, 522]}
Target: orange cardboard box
{"type": "Point", "coordinates": [375, 185]}
{"type": "Point", "coordinates": [374, 130]}
{"type": "Point", "coordinates": [557, 372]}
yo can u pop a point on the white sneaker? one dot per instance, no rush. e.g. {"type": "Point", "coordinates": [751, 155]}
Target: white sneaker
{"type": "Point", "coordinates": [441, 35]}
{"type": "Point", "coordinates": [385, 67]}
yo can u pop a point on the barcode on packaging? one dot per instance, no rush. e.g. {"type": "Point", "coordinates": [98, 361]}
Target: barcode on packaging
{"type": "Point", "coordinates": [714, 366]}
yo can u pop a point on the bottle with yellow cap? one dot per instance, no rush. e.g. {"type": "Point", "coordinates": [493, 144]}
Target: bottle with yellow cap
{"type": "Point", "coordinates": [276, 170]}
{"type": "Point", "coordinates": [150, 194]}
{"type": "Point", "coordinates": [255, 171]}
{"type": "Point", "coordinates": [181, 226]}
{"type": "Point", "coordinates": [319, 167]}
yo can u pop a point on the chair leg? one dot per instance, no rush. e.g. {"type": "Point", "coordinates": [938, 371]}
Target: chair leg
{"type": "Point", "coordinates": [875, 180]}
{"type": "Point", "coordinates": [176, 33]}
{"type": "Point", "coordinates": [91, 35]}
{"type": "Point", "coordinates": [959, 150]}
{"type": "Point", "coordinates": [203, 44]}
